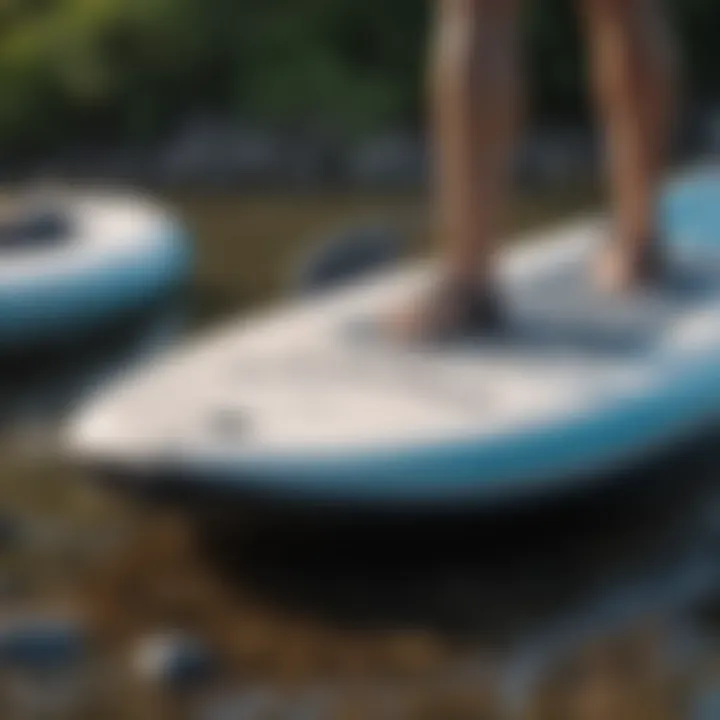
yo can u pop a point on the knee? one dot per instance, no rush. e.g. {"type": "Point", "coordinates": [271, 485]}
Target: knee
{"type": "Point", "coordinates": [632, 16]}
{"type": "Point", "coordinates": [640, 25]}
{"type": "Point", "coordinates": [481, 6]}
{"type": "Point", "coordinates": [476, 47]}
{"type": "Point", "coordinates": [471, 16]}
{"type": "Point", "coordinates": [616, 8]}
{"type": "Point", "coordinates": [477, 32]}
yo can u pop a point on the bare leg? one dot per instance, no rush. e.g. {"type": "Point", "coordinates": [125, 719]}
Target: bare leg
{"type": "Point", "coordinates": [474, 110]}
{"type": "Point", "coordinates": [474, 96]}
{"type": "Point", "coordinates": [635, 79]}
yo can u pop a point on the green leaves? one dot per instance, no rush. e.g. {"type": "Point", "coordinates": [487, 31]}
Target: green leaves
{"type": "Point", "coordinates": [133, 68]}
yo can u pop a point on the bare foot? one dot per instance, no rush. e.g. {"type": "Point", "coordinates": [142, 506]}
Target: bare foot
{"type": "Point", "coordinates": [452, 310]}
{"type": "Point", "coordinates": [619, 270]}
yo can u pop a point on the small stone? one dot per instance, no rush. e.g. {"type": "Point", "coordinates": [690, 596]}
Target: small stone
{"type": "Point", "coordinates": [315, 704]}
{"type": "Point", "coordinates": [248, 704]}
{"type": "Point", "coordinates": [706, 705]}
{"type": "Point", "coordinates": [11, 531]}
{"type": "Point", "coordinates": [174, 660]}
{"type": "Point", "coordinates": [13, 586]}
{"type": "Point", "coordinates": [47, 695]}
{"type": "Point", "coordinates": [395, 159]}
{"type": "Point", "coordinates": [41, 643]}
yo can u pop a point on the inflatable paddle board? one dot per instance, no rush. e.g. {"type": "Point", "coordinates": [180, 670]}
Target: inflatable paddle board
{"type": "Point", "coordinates": [308, 401]}
{"type": "Point", "coordinates": [90, 261]}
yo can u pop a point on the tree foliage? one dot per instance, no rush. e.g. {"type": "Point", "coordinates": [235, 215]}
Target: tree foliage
{"type": "Point", "coordinates": [130, 69]}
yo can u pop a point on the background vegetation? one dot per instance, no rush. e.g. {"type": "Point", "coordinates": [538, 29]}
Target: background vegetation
{"type": "Point", "coordinates": [130, 70]}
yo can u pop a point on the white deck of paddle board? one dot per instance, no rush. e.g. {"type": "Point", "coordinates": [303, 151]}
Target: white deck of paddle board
{"type": "Point", "coordinates": [313, 379]}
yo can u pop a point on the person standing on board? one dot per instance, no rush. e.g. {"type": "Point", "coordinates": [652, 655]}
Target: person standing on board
{"type": "Point", "coordinates": [476, 107]}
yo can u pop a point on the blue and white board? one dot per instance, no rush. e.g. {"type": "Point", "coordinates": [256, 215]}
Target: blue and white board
{"type": "Point", "coordinates": [118, 254]}
{"type": "Point", "coordinates": [305, 401]}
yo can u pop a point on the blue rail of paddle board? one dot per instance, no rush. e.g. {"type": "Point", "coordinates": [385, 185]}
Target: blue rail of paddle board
{"type": "Point", "coordinates": [690, 209]}
{"type": "Point", "coordinates": [529, 461]}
